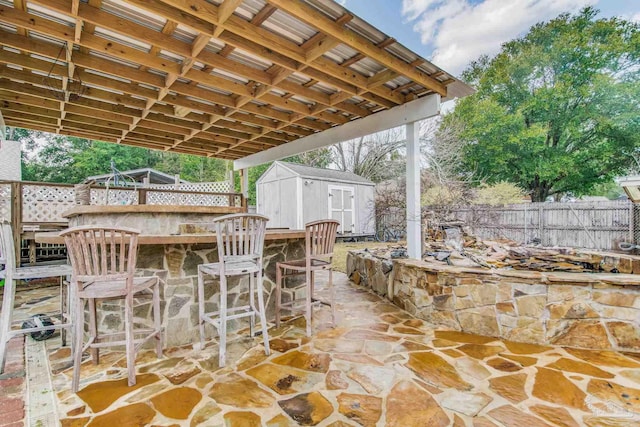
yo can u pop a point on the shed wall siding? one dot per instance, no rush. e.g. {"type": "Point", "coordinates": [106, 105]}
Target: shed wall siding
{"type": "Point", "coordinates": [277, 201]}
{"type": "Point", "coordinates": [365, 209]}
{"type": "Point", "coordinates": [287, 203]}
{"type": "Point", "coordinates": [314, 201]}
{"type": "Point", "coordinates": [284, 197]}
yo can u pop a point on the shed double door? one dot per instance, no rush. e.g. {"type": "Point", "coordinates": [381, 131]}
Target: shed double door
{"type": "Point", "coordinates": [341, 207]}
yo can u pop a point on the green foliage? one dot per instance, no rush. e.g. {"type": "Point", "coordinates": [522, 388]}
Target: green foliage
{"type": "Point", "coordinates": [500, 193]}
{"type": "Point", "coordinates": [610, 190]}
{"type": "Point", "coordinates": [54, 158]}
{"type": "Point", "coordinates": [557, 110]}
{"type": "Point", "coordinates": [442, 195]}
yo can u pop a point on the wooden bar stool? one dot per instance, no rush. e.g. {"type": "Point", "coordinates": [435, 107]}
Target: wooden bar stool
{"type": "Point", "coordinates": [240, 240]}
{"type": "Point", "coordinates": [12, 273]}
{"type": "Point", "coordinates": [104, 264]}
{"type": "Point", "coordinates": [320, 236]}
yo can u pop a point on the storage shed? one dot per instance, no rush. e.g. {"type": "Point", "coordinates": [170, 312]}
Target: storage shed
{"type": "Point", "coordinates": [292, 195]}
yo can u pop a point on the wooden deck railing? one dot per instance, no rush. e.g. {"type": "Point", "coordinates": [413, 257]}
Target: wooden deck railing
{"type": "Point", "coordinates": [36, 206]}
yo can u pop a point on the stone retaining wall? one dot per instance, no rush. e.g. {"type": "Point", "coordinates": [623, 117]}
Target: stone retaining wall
{"type": "Point", "coordinates": [586, 310]}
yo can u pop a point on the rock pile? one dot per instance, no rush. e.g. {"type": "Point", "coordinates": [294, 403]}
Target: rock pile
{"type": "Point", "coordinates": [463, 250]}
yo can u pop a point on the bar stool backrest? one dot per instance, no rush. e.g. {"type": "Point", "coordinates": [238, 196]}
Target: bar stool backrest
{"type": "Point", "coordinates": [100, 254]}
{"type": "Point", "coordinates": [320, 236]}
{"type": "Point", "coordinates": [240, 237]}
{"type": "Point", "coordinates": [7, 248]}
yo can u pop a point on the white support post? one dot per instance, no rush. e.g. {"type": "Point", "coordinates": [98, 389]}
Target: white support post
{"type": "Point", "coordinates": [414, 245]}
{"type": "Point", "coordinates": [244, 182]}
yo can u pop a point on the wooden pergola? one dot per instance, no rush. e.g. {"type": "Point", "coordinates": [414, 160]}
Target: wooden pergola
{"type": "Point", "coordinates": [245, 80]}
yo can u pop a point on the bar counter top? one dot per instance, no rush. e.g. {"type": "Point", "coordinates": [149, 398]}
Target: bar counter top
{"type": "Point", "coordinates": [141, 209]}
{"type": "Point", "coordinates": [177, 239]}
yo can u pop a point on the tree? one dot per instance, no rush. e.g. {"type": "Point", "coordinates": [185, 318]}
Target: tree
{"type": "Point", "coordinates": [57, 158]}
{"type": "Point", "coordinates": [500, 193]}
{"type": "Point", "coordinates": [376, 157]}
{"type": "Point", "coordinates": [557, 110]}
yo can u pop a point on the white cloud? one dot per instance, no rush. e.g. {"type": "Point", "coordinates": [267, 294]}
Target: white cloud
{"type": "Point", "coordinates": [460, 31]}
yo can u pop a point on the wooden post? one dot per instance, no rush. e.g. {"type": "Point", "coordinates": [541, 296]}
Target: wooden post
{"type": "Point", "coordinates": [632, 223]}
{"type": "Point", "coordinates": [541, 224]}
{"type": "Point", "coordinates": [231, 183]}
{"type": "Point", "coordinates": [244, 188]}
{"type": "Point", "coordinates": [32, 251]}
{"type": "Point", "coordinates": [16, 218]}
{"type": "Point", "coordinates": [142, 196]}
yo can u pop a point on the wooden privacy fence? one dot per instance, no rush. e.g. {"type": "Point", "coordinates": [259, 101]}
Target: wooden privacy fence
{"type": "Point", "coordinates": [38, 206]}
{"type": "Point", "coordinates": [593, 225]}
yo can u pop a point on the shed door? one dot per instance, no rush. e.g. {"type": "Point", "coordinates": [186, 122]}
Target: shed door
{"type": "Point", "coordinates": [341, 201]}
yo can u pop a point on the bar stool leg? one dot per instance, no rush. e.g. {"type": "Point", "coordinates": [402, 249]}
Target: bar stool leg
{"type": "Point", "coordinates": [222, 322]}
{"type": "Point", "coordinates": [263, 317]}
{"type": "Point", "coordinates": [5, 320]}
{"type": "Point", "coordinates": [252, 305]}
{"type": "Point", "coordinates": [64, 305]}
{"type": "Point", "coordinates": [278, 293]}
{"type": "Point", "coordinates": [130, 346]}
{"type": "Point", "coordinates": [93, 331]}
{"type": "Point", "coordinates": [332, 296]}
{"type": "Point", "coordinates": [201, 306]}
{"type": "Point", "coordinates": [157, 321]}
{"type": "Point", "coordinates": [307, 314]}
{"type": "Point", "coordinates": [77, 341]}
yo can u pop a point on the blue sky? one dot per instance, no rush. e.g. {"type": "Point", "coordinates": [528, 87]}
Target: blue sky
{"type": "Point", "coordinates": [453, 32]}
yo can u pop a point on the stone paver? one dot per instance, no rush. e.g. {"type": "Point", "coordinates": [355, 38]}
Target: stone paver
{"type": "Point", "coordinates": [373, 369]}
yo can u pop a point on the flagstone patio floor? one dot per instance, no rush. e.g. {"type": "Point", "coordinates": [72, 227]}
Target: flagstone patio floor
{"type": "Point", "coordinates": [378, 367]}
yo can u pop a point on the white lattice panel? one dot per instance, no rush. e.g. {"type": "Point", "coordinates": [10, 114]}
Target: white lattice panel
{"type": "Point", "coordinates": [100, 196]}
{"type": "Point", "coordinates": [209, 187]}
{"type": "Point", "coordinates": [45, 203]}
{"type": "Point", "coordinates": [5, 202]}
{"type": "Point", "coordinates": [162, 198]}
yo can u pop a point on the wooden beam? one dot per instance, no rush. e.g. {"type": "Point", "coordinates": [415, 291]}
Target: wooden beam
{"type": "Point", "coordinates": [263, 14]}
{"type": "Point", "coordinates": [225, 10]}
{"type": "Point", "coordinates": [95, 15]}
{"type": "Point", "coordinates": [408, 113]}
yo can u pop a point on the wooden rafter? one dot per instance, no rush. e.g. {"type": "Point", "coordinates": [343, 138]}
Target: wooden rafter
{"type": "Point", "coordinates": [146, 85]}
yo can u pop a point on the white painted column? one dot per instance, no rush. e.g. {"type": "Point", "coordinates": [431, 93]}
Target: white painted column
{"type": "Point", "coordinates": [414, 232]}
{"type": "Point", "coordinates": [244, 182]}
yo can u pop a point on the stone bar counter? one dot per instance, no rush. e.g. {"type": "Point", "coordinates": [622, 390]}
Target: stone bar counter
{"type": "Point", "coordinates": [174, 240]}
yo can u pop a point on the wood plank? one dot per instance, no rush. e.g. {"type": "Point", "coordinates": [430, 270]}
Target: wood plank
{"type": "Point", "coordinates": [28, 117]}
{"type": "Point", "coordinates": [104, 115]}
{"type": "Point", "coordinates": [35, 101]}
{"type": "Point", "coordinates": [127, 53]}
{"type": "Point", "coordinates": [22, 108]}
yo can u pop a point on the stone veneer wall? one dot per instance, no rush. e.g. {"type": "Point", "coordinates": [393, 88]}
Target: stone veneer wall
{"type": "Point", "coordinates": [176, 266]}
{"type": "Point", "coordinates": [586, 310]}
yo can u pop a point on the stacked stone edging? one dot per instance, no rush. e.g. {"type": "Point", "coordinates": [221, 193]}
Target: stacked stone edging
{"type": "Point", "coordinates": [585, 310]}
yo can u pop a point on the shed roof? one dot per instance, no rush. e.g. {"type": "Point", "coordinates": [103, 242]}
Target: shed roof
{"type": "Point", "coordinates": [221, 78]}
{"type": "Point", "coordinates": [155, 176]}
{"type": "Point", "coordinates": [326, 174]}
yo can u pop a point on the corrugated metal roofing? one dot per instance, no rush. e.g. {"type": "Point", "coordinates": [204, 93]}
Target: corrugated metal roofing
{"type": "Point", "coordinates": [327, 174]}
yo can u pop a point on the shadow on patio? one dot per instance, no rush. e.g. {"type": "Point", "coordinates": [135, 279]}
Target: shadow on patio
{"type": "Point", "coordinates": [379, 367]}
